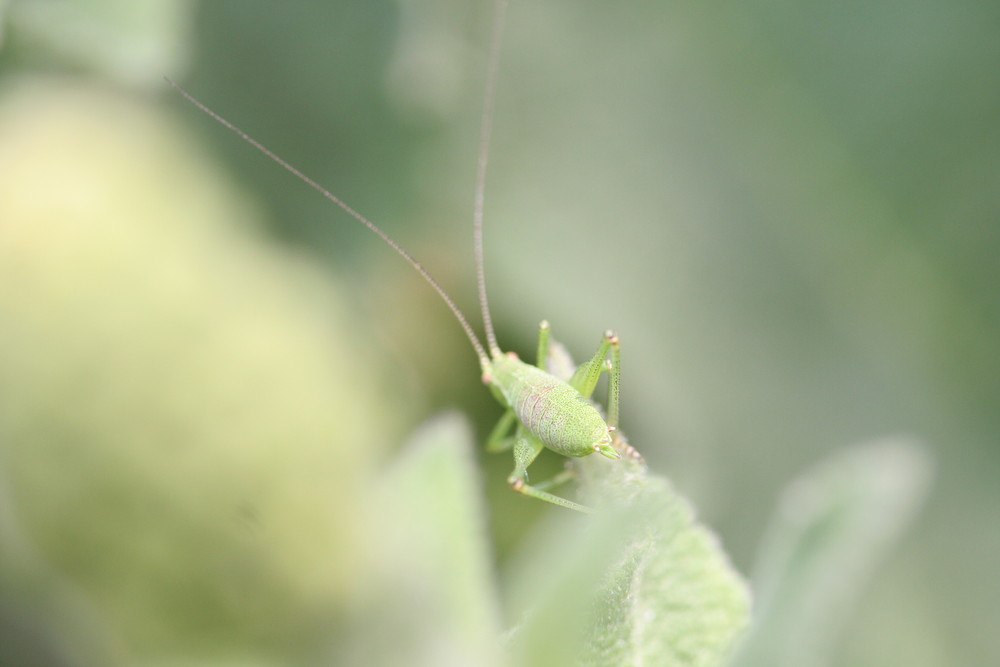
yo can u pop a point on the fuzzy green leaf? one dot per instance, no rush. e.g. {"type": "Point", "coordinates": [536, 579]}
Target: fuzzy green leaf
{"type": "Point", "coordinates": [832, 527]}
{"type": "Point", "coordinates": [430, 598]}
{"type": "Point", "coordinates": [671, 597]}
{"type": "Point", "coordinates": [643, 583]}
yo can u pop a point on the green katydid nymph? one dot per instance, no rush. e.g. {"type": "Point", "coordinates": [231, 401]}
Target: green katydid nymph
{"type": "Point", "coordinates": [541, 410]}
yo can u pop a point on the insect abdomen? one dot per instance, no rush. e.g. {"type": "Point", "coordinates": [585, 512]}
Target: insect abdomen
{"type": "Point", "coordinates": [550, 409]}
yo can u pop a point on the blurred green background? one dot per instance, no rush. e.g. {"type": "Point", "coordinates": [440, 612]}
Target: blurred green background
{"type": "Point", "coordinates": [789, 212]}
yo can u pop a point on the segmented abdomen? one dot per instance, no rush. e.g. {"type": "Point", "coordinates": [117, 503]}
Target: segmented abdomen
{"type": "Point", "coordinates": [550, 409]}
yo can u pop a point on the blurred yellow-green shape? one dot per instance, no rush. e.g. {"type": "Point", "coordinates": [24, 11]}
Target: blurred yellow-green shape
{"type": "Point", "coordinates": [187, 421]}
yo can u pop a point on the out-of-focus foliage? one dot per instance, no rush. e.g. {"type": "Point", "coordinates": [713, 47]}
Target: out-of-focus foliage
{"type": "Point", "coordinates": [123, 40]}
{"type": "Point", "coordinates": [428, 596]}
{"type": "Point", "coordinates": [832, 528]}
{"type": "Point", "coordinates": [788, 212]}
{"type": "Point", "coordinates": [179, 438]}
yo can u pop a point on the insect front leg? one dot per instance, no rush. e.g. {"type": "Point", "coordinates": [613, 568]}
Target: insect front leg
{"type": "Point", "coordinates": [526, 450]}
{"type": "Point", "coordinates": [499, 438]}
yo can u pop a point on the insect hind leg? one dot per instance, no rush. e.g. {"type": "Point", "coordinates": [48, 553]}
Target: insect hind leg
{"type": "Point", "coordinates": [607, 358]}
{"type": "Point", "coordinates": [526, 450]}
{"type": "Point", "coordinates": [585, 378]}
{"type": "Point", "coordinates": [561, 478]}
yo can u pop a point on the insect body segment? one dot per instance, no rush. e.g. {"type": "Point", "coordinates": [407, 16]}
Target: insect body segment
{"type": "Point", "coordinates": [550, 412]}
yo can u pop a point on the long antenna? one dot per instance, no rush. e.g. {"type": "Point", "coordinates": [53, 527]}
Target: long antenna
{"type": "Point", "coordinates": [485, 131]}
{"type": "Point", "coordinates": [480, 352]}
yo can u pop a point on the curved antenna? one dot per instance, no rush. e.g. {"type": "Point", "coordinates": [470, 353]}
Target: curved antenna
{"type": "Point", "coordinates": [485, 131]}
{"type": "Point", "coordinates": [480, 352]}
